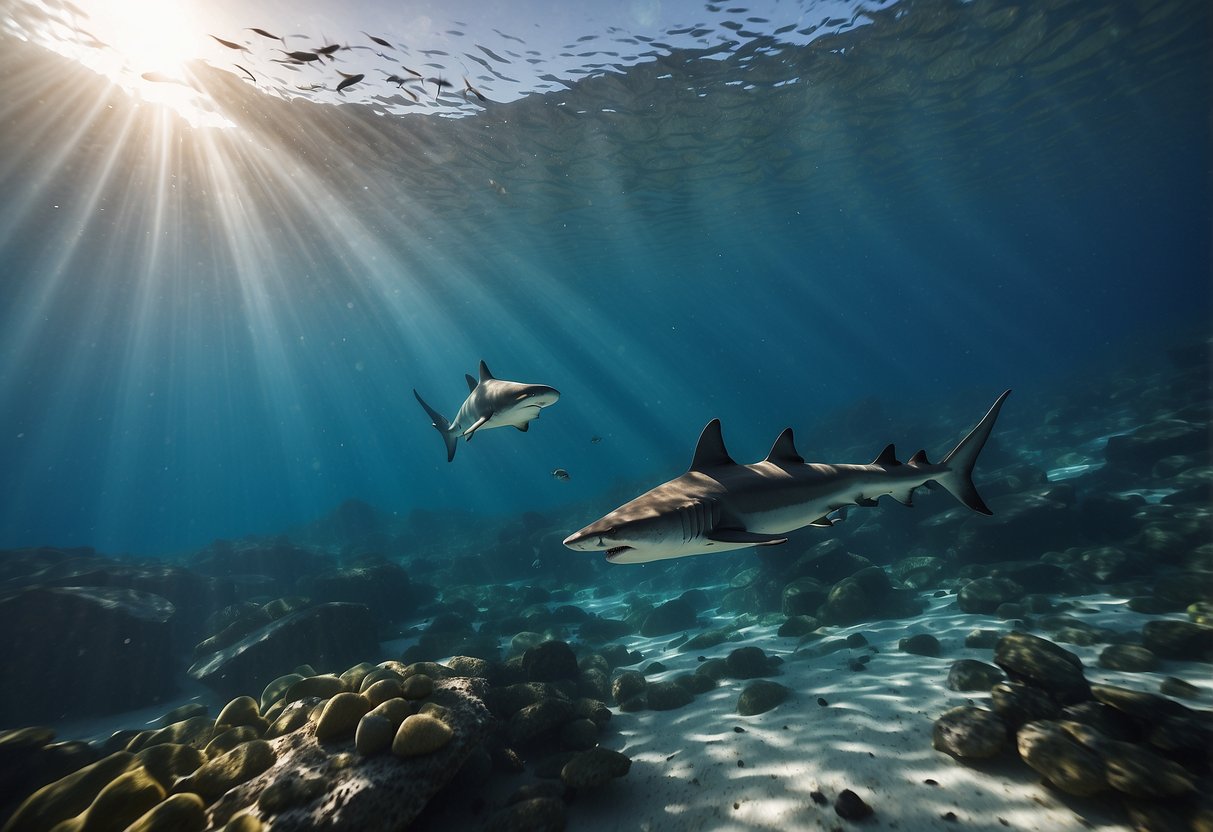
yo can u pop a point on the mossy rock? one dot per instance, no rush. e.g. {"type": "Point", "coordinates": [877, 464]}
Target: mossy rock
{"type": "Point", "coordinates": [594, 768]}
{"type": "Point", "coordinates": [354, 676]}
{"type": "Point", "coordinates": [421, 734]}
{"type": "Point", "coordinates": [122, 802]}
{"type": "Point", "coordinates": [667, 696]}
{"type": "Point", "coordinates": [397, 710]}
{"type": "Point", "coordinates": [229, 739]}
{"type": "Point", "coordinates": [274, 690]}
{"type": "Point", "coordinates": [417, 686]}
{"type": "Point", "coordinates": [244, 823]}
{"type": "Point", "coordinates": [280, 607]}
{"type": "Point", "coordinates": [1127, 657]}
{"type": "Point", "coordinates": [69, 796]}
{"type": "Point", "coordinates": [382, 691]}
{"type": "Point", "coordinates": [168, 762]}
{"type": "Point", "coordinates": [243, 710]}
{"type": "Point", "coordinates": [374, 734]}
{"type": "Point", "coordinates": [293, 717]}
{"type": "Point", "coordinates": [186, 711]}
{"type": "Point", "coordinates": [179, 813]}
{"type": "Point", "coordinates": [378, 676]}
{"type": "Point", "coordinates": [325, 687]}
{"type": "Point", "coordinates": [340, 716]}
{"type": "Point", "coordinates": [195, 732]}
{"type": "Point", "coordinates": [237, 766]}
{"type": "Point", "coordinates": [761, 696]}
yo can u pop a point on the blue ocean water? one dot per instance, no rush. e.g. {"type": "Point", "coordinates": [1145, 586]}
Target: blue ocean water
{"type": "Point", "coordinates": [209, 332]}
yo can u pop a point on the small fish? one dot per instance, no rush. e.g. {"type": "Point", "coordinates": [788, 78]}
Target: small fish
{"type": "Point", "coordinates": [467, 87]}
{"type": "Point", "coordinates": [439, 83]}
{"type": "Point", "coordinates": [594, 440]}
{"type": "Point", "coordinates": [265, 34]}
{"type": "Point", "coordinates": [395, 79]}
{"type": "Point", "coordinates": [302, 57]}
{"type": "Point", "coordinates": [379, 41]}
{"type": "Point", "coordinates": [498, 187]}
{"type": "Point", "coordinates": [560, 474]}
{"type": "Point", "coordinates": [349, 81]}
{"type": "Point", "coordinates": [229, 44]}
{"type": "Point", "coordinates": [327, 51]}
{"type": "Point", "coordinates": [412, 72]}
{"type": "Point", "coordinates": [411, 95]}
{"type": "Point", "coordinates": [246, 72]}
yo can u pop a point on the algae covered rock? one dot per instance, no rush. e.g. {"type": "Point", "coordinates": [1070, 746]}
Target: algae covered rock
{"type": "Point", "coordinates": [920, 644]}
{"type": "Point", "coordinates": [231, 769]}
{"type": "Point", "coordinates": [970, 674]}
{"type": "Point", "coordinates": [179, 813]}
{"type": "Point", "coordinates": [668, 696]}
{"type": "Point", "coordinates": [595, 767]}
{"type": "Point", "coordinates": [1127, 657]}
{"type": "Point", "coordinates": [421, 734]}
{"type": "Point", "coordinates": [243, 710]}
{"type": "Point", "coordinates": [550, 661]}
{"type": "Point", "coordinates": [340, 716]}
{"type": "Point", "coordinates": [70, 795]}
{"type": "Point", "coordinates": [970, 733]}
{"type": "Point", "coordinates": [761, 696]}
{"type": "Point", "coordinates": [1041, 663]}
{"type": "Point", "coordinates": [119, 804]}
{"type": "Point", "coordinates": [1048, 749]}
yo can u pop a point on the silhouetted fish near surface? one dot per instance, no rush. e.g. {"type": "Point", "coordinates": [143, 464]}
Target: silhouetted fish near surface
{"type": "Point", "coordinates": [594, 440]}
{"type": "Point", "coordinates": [327, 51]}
{"type": "Point", "coordinates": [230, 45]}
{"type": "Point", "coordinates": [379, 41]}
{"type": "Point", "coordinates": [266, 34]}
{"type": "Point", "coordinates": [246, 72]}
{"type": "Point", "coordinates": [560, 474]}
{"type": "Point", "coordinates": [467, 87]}
{"type": "Point", "coordinates": [349, 81]}
{"type": "Point", "coordinates": [304, 57]}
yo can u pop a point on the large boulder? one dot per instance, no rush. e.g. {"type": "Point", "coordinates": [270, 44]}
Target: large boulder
{"type": "Point", "coordinates": [83, 650]}
{"type": "Point", "coordinates": [324, 636]}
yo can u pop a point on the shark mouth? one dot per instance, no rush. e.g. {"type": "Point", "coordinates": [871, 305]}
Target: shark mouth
{"type": "Point", "coordinates": [615, 551]}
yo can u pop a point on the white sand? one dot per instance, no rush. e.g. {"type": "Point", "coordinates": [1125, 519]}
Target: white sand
{"type": "Point", "coordinates": [873, 737]}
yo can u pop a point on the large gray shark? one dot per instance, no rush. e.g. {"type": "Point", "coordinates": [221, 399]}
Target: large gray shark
{"type": "Point", "coordinates": [720, 505]}
{"type": "Point", "coordinates": [491, 403]}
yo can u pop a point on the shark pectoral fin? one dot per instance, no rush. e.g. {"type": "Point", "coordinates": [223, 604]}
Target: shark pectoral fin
{"type": "Point", "coordinates": [479, 423]}
{"type": "Point", "coordinates": [822, 522]}
{"type": "Point", "coordinates": [742, 536]}
{"type": "Point", "coordinates": [524, 428]}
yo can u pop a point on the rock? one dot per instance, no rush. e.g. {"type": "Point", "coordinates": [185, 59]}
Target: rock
{"type": "Point", "coordinates": [670, 617]}
{"type": "Point", "coordinates": [1139, 772]}
{"type": "Point", "coordinates": [918, 572]}
{"type": "Point", "coordinates": [985, 595]}
{"type": "Point", "coordinates": [275, 689]}
{"type": "Point", "coordinates": [850, 806]}
{"type": "Point", "coordinates": [1051, 752]}
{"type": "Point", "coordinates": [1106, 564]}
{"type": "Point", "coordinates": [969, 733]}
{"type": "Point", "coordinates": [421, 733]}
{"type": "Point", "coordinates": [1039, 662]}
{"type": "Point", "coordinates": [761, 696]}
{"type": "Point", "coordinates": [374, 734]}
{"type": "Point", "coordinates": [417, 686]}
{"type": "Point", "coordinates": [797, 626]}
{"type": "Point", "coordinates": [169, 762]}
{"type": "Point", "coordinates": [920, 644]}
{"type": "Point", "coordinates": [179, 813]}
{"type": "Point", "coordinates": [707, 639]}
{"type": "Point", "coordinates": [594, 768]}
{"type": "Point", "coordinates": [1182, 640]}
{"type": "Point", "coordinates": [667, 696]}
{"type": "Point", "coordinates": [186, 711]}
{"type": "Point", "coordinates": [579, 734]}
{"type": "Point", "coordinates": [376, 793]}
{"type": "Point", "coordinates": [122, 802]}
{"type": "Point", "coordinates": [383, 690]}
{"type": "Point", "coordinates": [1017, 703]}
{"type": "Point", "coordinates": [341, 715]}
{"type": "Point", "coordinates": [242, 710]}
{"type": "Point", "coordinates": [196, 732]}
{"type": "Point", "coordinates": [536, 722]}
{"type": "Point", "coordinates": [982, 638]}
{"type": "Point", "coordinates": [537, 814]}
{"type": "Point", "coordinates": [1172, 686]}
{"type": "Point", "coordinates": [222, 743]}
{"type": "Point", "coordinates": [749, 663]}
{"type": "Point", "coordinates": [383, 587]}
{"type": "Point", "coordinates": [550, 661]}
{"type": "Point", "coordinates": [120, 644]}
{"type": "Point", "coordinates": [217, 776]}
{"type": "Point", "coordinates": [290, 789]}
{"type": "Point", "coordinates": [970, 674]}
{"type": "Point", "coordinates": [334, 634]}
{"type": "Point", "coordinates": [70, 795]}
{"type": "Point", "coordinates": [628, 685]}
{"type": "Point", "coordinates": [803, 596]}
{"type": "Point", "coordinates": [1127, 657]}
{"type": "Point", "coordinates": [1137, 452]}
{"type": "Point", "coordinates": [600, 630]}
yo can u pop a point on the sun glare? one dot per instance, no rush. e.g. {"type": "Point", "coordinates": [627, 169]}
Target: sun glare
{"type": "Point", "coordinates": [151, 36]}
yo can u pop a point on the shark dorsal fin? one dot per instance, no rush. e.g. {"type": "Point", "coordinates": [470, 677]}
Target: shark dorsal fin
{"type": "Point", "coordinates": [887, 457]}
{"type": "Point", "coordinates": [784, 450]}
{"type": "Point", "coordinates": [709, 451]}
{"type": "Point", "coordinates": [471, 383]}
{"type": "Point", "coordinates": [920, 458]}
{"type": "Point", "coordinates": [484, 371]}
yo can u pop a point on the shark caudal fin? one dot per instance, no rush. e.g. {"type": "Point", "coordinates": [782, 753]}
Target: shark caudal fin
{"type": "Point", "coordinates": [958, 481]}
{"type": "Point", "coordinates": [441, 425]}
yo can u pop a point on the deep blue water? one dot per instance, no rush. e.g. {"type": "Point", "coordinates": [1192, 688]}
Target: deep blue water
{"type": "Point", "coordinates": [209, 333]}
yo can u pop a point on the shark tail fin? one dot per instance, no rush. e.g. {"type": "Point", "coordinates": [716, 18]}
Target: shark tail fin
{"type": "Point", "coordinates": [958, 481]}
{"type": "Point", "coordinates": [442, 426]}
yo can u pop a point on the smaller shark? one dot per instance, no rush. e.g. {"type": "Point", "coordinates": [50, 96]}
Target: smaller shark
{"type": "Point", "coordinates": [720, 505]}
{"type": "Point", "coordinates": [491, 403]}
